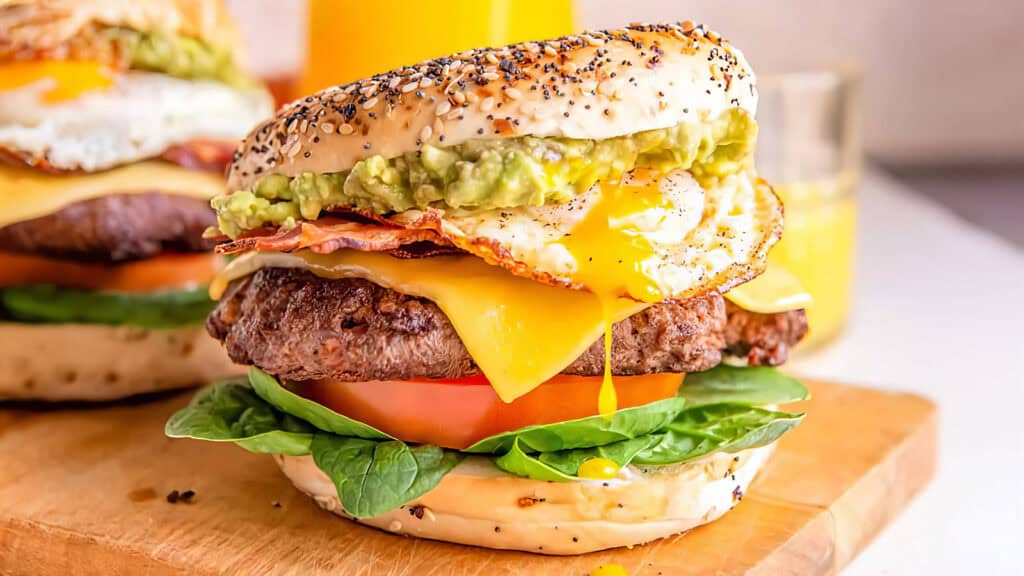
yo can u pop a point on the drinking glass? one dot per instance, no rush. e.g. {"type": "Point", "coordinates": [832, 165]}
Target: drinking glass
{"type": "Point", "coordinates": [380, 35]}
{"type": "Point", "coordinates": [809, 149]}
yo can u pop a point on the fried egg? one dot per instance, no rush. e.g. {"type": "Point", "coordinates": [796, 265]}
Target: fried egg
{"type": "Point", "coordinates": [138, 116]}
{"type": "Point", "coordinates": [649, 237]}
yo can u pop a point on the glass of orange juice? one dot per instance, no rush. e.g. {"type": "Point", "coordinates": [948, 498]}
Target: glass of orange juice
{"type": "Point", "coordinates": [384, 34]}
{"type": "Point", "coordinates": [809, 149]}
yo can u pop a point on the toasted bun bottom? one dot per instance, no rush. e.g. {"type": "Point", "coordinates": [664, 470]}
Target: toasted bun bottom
{"type": "Point", "coordinates": [97, 362]}
{"type": "Point", "coordinates": [479, 504]}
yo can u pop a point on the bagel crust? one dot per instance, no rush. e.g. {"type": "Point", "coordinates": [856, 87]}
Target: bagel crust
{"type": "Point", "coordinates": [594, 85]}
{"type": "Point", "coordinates": [478, 504]}
{"type": "Point", "coordinates": [57, 362]}
{"type": "Point", "coordinates": [48, 25]}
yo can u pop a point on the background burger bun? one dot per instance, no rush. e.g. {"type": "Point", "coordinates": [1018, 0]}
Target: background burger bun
{"type": "Point", "coordinates": [480, 505]}
{"type": "Point", "coordinates": [47, 25]}
{"type": "Point", "coordinates": [96, 362]}
{"type": "Point", "coordinates": [593, 85]}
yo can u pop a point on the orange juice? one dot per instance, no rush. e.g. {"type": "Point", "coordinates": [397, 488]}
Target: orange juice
{"type": "Point", "coordinates": [818, 247]}
{"type": "Point", "coordinates": [383, 34]}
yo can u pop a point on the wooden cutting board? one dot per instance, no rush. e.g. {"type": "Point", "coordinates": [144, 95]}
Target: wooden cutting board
{"type": "Point", "coordinates": [83, 491]}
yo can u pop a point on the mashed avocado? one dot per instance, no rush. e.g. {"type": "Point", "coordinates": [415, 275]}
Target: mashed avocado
{"type": "Point", "coordinates": [487, 174]}
{"type": "Point", "coordinates": [174, 55]}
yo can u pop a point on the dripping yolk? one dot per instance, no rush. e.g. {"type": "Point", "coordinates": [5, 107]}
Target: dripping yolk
{"type": "Point", "coordinates": [615, 257]}
{"type": "Point", "coordinates": [67, 79]}
{"type": "Point", "coordinates": [598, 469]}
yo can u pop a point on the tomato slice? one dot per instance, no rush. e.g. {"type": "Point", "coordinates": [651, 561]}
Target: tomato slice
{"type": "Point", "coordinates": [455, 413]}
{"type": "Point", "coordinates": [162, 272]}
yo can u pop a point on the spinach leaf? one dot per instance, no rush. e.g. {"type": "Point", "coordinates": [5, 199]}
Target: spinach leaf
{"type": "Point", "coordinates": [318, 415]}
{"type": "Point", "coordinates": [45, 303]}
{"type": "Point", "coordinates": [375, 476]}
{"type": "Point", "coordinates": [753, 386]}
{"type": "Point", "coordinates": [701, 430]}
{"type": "Point", "coordinates": [696, 432]}
{"type": "Point", "coordinates": [584, 432]}
{"type": "Point", "coordinates": [230, 411]}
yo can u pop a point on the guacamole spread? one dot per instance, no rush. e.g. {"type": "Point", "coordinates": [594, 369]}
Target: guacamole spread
{"type": "Point", "coordinates": [174, 55]}
{"type": "Point", "coordinates": [488, 174]}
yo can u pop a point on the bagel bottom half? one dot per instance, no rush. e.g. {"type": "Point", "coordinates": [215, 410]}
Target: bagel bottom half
{"type": "Point", "coordinates": [479, 504]}
{"type": "Point", "coordinates": [97, 362]}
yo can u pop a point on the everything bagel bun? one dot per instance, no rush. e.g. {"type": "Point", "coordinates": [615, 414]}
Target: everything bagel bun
{"type": "Point", "coordinates": [57, 362]}
{"type": "Point", "coordinates": [48, 25]}
{"type": "Point", "coordinates": [595, 85]}
{"type": "Point", "coordinates": [479, 504]}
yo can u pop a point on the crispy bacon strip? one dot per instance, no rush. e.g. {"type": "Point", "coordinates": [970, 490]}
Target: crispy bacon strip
{"type": "Point", "coordinates": [329, 234]}
{"type": "Point", "coordinates": [204, 155]}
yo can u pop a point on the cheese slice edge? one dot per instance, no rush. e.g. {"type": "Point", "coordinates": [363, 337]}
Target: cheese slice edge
{"type": "Point", "coordinates": [26, 193]}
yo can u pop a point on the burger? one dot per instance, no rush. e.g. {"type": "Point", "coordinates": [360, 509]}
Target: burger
{"type": "Point", "coordinates": [512, 297]}
{"type": "Point", "coordinates": [117, 122]}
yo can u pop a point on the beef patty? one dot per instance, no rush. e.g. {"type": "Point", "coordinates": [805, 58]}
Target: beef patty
{"type": "Point", "coordinates": [114, 228]}
{"type": "Point", "coordinates": [299, 326]}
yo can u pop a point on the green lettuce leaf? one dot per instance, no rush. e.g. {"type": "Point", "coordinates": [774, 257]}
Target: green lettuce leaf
{"type": "Point", "coordinates": [375, 476]}
{"type": "Point", "coordinates": [318, 415]}
{"type": "Point", "coordinates": [230, 411]}
{"type": "Point", "coordinates": [45, 303]}
{"type": "Point", "coordinates": [753, 386]}
{"type": "Point", "coordinates": [584, 432]}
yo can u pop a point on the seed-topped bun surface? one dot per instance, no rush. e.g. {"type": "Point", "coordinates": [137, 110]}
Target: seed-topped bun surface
{"type": "Point", "coordinates": [594, 85]}
{"type": "Point", "coordinates": [50, 26]}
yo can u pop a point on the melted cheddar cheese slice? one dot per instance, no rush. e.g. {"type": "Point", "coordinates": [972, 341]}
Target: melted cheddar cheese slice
{"type": "Point", "coordinates": [27, 194]}
{"type": "Point", "coordinates": [775, 290]}
{"type": "Point", "coordinates": [519, 332]}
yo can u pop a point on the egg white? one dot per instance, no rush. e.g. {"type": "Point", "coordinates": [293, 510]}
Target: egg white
{"type": "Point", "coordinates": [139, 117]}
{"type": "Point", "coordinates": [704, 239]}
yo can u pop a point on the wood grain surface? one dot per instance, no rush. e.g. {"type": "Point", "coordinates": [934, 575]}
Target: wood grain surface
{"type": "Point", "coordinates": [83, 491]}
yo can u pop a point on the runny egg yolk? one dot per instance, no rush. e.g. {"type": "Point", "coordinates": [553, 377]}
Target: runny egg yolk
{"type": "Point", "coordinates": [614, 257]}
{"type": "Point", "coordinates": [68, 79]}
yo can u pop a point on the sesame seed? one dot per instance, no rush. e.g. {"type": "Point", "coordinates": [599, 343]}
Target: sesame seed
{"type": "Point", "coordinates": [345, 129]}
{"type": "Point", "coordinates": [513, 93]}
{"type": "Point", "coordinates": [490, 76]}
{"type": "Point", "coordinates": [487, 104]}
{"type": "Point", "coordinates": [491, 58]}
{"type": "Point", "coordinates": [459, 98]}
{"type": "Point", "coordinates": [443, 108]}
{"type": "Point", "coordinates": [472, 98]}
{"type": "Point", "coordinates": [409, 87]}
{"type": "Point", "coordinates": [549, 50]}
{"type": "Point", "coordinates": [688, 26]}
{"type": "Point", "coordinates": [426, 83]}
{"type": "Point", "coordinates": [370, 103]}
{"type": "Point", "coordinates": [327, 127]}
{"type": "Point", "coordinates": [425, 133]}
{"type": "Point", "coordinates": [438, 126]}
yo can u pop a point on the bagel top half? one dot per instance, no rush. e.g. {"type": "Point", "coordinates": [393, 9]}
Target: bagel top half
{"type": "Point", "coordinates": [594, 85]}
